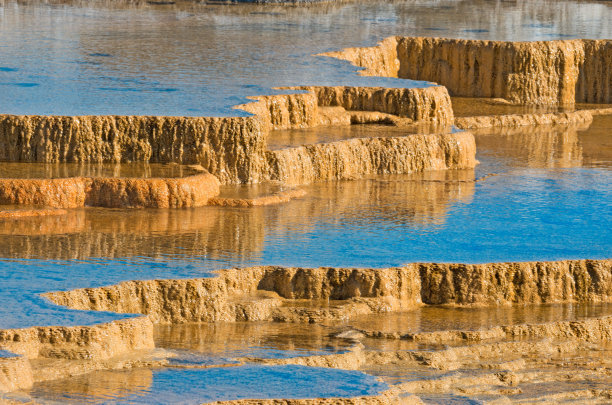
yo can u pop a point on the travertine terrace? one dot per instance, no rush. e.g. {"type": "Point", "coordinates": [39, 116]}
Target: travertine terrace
{"type": "Point", "coordinates": [540, 72]}
{"type": "Point", "coordinates": [323, 295]}
{"type": "Point", "coordinates": [497, 362]}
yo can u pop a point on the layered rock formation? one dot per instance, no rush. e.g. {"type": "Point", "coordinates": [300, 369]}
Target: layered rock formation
{"type": "Point", "coordinates": [232, 149]}
{"type": "Point", "coordinates": [357, 158]}
{"type": "Point", "coordinates": [540, 72]}
{"type": "Point", "coordinates": [229, 148]}
{"type": "Point", "coordinates": [522, 120]}
{"type": "Point", "coordinates": [259, 293]}
{"type": "Point", "coordinates": [191, 191]}
{"type": "Point", "coordinates": [423, 105]}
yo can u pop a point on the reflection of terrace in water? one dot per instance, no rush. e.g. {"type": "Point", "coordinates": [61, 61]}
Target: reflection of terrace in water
{"type": "Point", "coordinates": [229, 232]}
{"type": "Point", "coordinates": [548, 146]}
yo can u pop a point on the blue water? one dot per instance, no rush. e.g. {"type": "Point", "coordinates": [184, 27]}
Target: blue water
{"type": "Point", "coordinates": [524, 213]}
{"type": "Point", "coordinates": [191, 59]}
{"type": "Point", "coordinates": [216, 384]}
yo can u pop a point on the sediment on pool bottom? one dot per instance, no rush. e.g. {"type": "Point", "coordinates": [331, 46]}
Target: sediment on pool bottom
{"type": "Point", "coordinates": [260, 293]}
{"type": "Point", "coordinates": [540, 72]}
{"type": "Point", "coordinates": [191, 191]}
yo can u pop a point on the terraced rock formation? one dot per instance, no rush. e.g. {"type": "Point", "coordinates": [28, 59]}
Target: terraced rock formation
{"type": "Point", "coordinates": [190, 191]}
{"type": "Point", "coordinates": [540, 72]}
{"type": "Point", "coordinates": [504, 354]}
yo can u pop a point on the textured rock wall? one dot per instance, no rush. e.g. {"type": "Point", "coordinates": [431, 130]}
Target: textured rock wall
{"type": "Point", "coordinates": [517, 283]}
{"type": "Point", "coordinates": [284, 111]}
{"type": "Point", "coordinates": [356, 158]}
{"type": "Point", "coordinates": [540, 72]}
{"type": "Point", "coordinates": [232, 295]}
{"type": "Point", "coordinates": [254, 293]}
{"type": "Point", "coordinates": [595, 78]}
{"type": "Point", "coordinates": [80, 342]}
{"type": "Point", "coordinates": [543, 72]}
{"type": "Point", "coordinates": [380, 60]}
{"type": "Point", "coordinates": [428, 104]}
{"type": "Point", "coordinates": [191, 191]}
{"type": "Point", "coordinates": [230, 148]}
{"type": "Point", "coordinates": [519, 120]}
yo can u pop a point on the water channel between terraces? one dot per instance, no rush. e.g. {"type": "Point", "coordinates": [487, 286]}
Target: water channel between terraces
{"type": "Point", "coordinates": [538, 193]}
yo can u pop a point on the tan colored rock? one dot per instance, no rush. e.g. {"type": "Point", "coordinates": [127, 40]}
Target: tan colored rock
{"type": "Point", "coordinates": [380, 60]}
{"type": "Point", "coordinates": [284, 111]}
{"type": "Point", "coordinates": [357, 158]}
{"type": "Point", "coordinates": [229, 148]}
{"type": "Point", "coordinates": [518, 120]}
{"type": "Point", "coordinates": [191, 191]}
{"type": "Point", "coordinates": [98, 342]}
{"type": "Point", "coordinates": [237, 294]}
{"type": "Point", "coordinates": [428, 104]}
{"type": "Point", "coordinates": [276, 198]}
{"type": "Point", "coordinates": [540, 72]}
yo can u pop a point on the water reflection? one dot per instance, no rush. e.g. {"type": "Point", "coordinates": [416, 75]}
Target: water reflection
{"type": "Point", "coordinates": [430, 319]}
{"type": "Point", "coordinates": [254, 340]}
{"type": "Point", "coordinates": [215, 384]}
{"type": "Point", "coordinates": [547, 146]}
{"type": "Point", "coordinates": [186, 58]}
{"type": "Point", "coordinates": [233, 233]}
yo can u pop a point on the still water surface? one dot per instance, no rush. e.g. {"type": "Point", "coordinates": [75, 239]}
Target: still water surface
{"type": "Point", "coordinates": [115, 57]}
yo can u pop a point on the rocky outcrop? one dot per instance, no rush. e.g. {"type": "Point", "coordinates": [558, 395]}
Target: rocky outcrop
{"type": "Point", "coordinates": [284, 111]}
{"type": "Point", "coordinates": [519, 120]}
{"type": "Point", "coordinates": [191, 191]}
{"type": "Point", "coordinates": [229, 148]}
{"type": "Point", "coordinates": [259, 293]}
{"type": "Point", "coordinates": [232, 149]}
{"type": "Point", "coordinates": [594, 83]}
{"type": "Point", "coordinates": [242, 294]}
{"type": "Point", "coordinates": [514, 283]}
{"type": "Point", "coordinates": [98, 342]}
{"type": "Point", "coordinates": [357, 158]}
{"type": "Point", "coordinates": [380, 60]}
{"type": "Point", "coordinates": [539, 72]}
{"type": "Point", "coordinates": [423, 105]}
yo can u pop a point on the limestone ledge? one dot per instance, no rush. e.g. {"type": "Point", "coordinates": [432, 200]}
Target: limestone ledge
{"type": "Point", "coordinates": [540, 72]}
{"type": "Point", "coordinates": [262, 293]}
{"type": "Point", "coordinates": [233, 149]}
{"type": "Point", "coordinates": [519, 120]}
{"type": "Point", "coordinates": [97, 347]}
{"type": "Point", "coordinates": [357, 158]}
{"type": "Point", "coordinates": [276, 198]}
{"type": "Point", "coordinates": [191, 191]}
